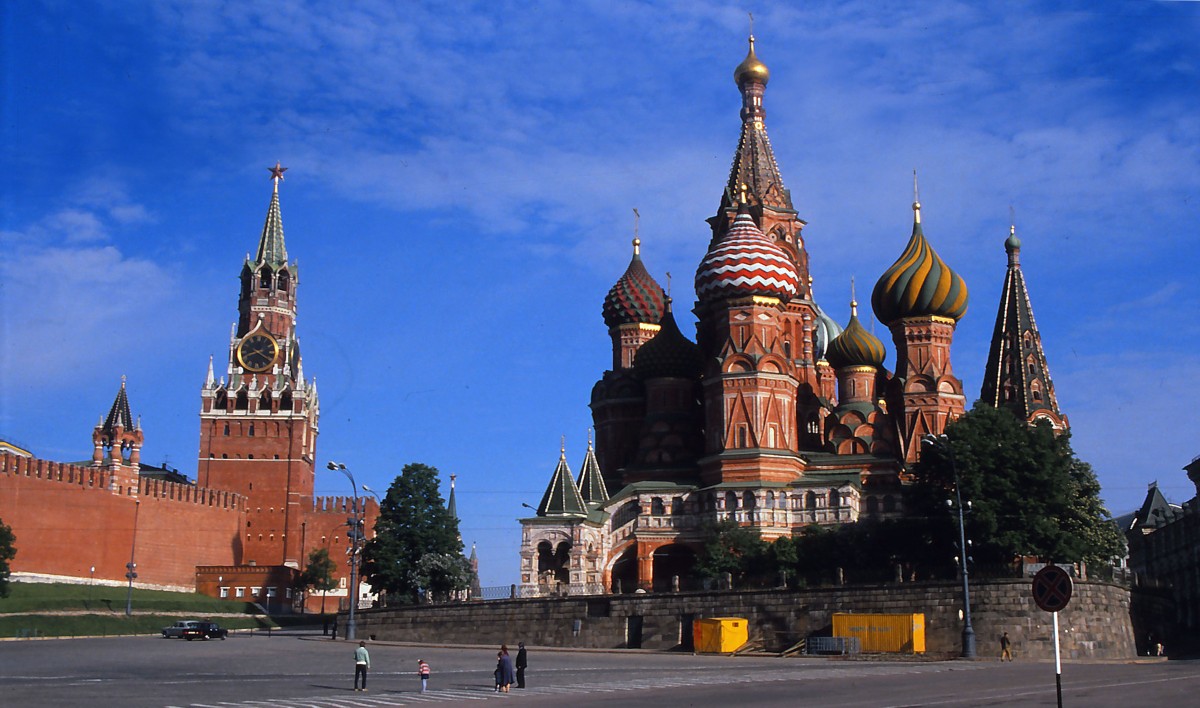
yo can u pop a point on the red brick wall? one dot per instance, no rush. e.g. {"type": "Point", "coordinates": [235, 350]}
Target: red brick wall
{"type": "Point", "coordinates": [66, 520]}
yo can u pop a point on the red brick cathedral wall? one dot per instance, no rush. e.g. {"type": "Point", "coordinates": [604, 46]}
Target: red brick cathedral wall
{"type": "Point", "coordinates": [66, 520]}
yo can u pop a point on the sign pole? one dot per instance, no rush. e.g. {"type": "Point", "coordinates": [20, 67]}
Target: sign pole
{"type": "Point", "coordinates": [1057, 662]}
{"type": "Point", "coordinates": [1052, 589]}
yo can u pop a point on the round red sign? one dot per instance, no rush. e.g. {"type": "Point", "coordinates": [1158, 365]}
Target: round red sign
{"type": "Point", "coordinates": [1052, 588]}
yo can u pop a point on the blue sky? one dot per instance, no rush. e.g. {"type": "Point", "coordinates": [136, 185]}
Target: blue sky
{"type": "Point", "coordinates": [459, 194]}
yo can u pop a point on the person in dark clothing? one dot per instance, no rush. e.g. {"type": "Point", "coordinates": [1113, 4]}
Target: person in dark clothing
{"type": "Point", "coordinates": [522, 662]}
{"type": "Point", "coordinates": [1005, 648]}
{"type": "Point", "coordinates": [506, 669]}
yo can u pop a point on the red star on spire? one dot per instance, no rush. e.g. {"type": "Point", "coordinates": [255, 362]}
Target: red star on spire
{"type": "Point", "coordinates": [277, 171]}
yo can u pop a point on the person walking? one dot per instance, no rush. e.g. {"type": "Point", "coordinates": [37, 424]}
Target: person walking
{"type": "Point", "coordinates": [362, 662]}
{"type": "Point", "coordinates": [499, 672]}
{"type": "Point", "coordinates": [423, 672]}
{"type": "Point", "coordinates": [1005, 648]}
{"type": "Point", "coordinates": [506, 669]}
{"type": "Point", "coordinates": [522, 662]}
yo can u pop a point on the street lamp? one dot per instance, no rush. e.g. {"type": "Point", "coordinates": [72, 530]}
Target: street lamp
{"type": "Point", "coordinates": [355, 523]}
{"type": "Point", "coordinates": [372, 492]}
{"type": "Point", "coordinates": [942, 442]}
{"type": "Point", "coordinates": [131, 566]}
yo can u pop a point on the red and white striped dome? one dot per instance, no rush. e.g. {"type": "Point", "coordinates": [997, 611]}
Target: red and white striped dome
{"type": "Point", "coordinates": [746, 262]}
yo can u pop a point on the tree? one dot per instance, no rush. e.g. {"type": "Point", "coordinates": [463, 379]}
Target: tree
{"type": "Point", "coordinates": [413, 521]}
{"type": "Point", "coordinates": [1029, 494]}
{"type": "Point", "coordinates": [318, 574]}
{"type": "Point", "coordinates": [737, 550]}
{"type": "Point", "coordinates": [442, 574]}
{"type": "Point", "coordinates": [8, 551]}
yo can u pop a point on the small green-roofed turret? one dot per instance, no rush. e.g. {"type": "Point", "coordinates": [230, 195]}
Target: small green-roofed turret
{"type": "Point", "coordinates": [591, 483]}
{"type": "Point", "coordinates": [562, 497]}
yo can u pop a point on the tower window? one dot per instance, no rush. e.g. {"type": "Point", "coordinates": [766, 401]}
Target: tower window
{"type": "Point", "coordinates": [743, 436]}
{"type": "Point", "coordinates": [252, 430]}
{"type": "Point", "coordinates": [227, 430]}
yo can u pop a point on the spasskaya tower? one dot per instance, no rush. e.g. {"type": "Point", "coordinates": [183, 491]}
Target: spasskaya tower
{"type": "Point", "coordinates": [258, 422]}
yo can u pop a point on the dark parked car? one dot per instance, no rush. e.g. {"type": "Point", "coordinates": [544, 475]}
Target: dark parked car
{"type": "Point", "coordinates": [183, 629]}
{"type": "Point", "coordinates": [211, 630]}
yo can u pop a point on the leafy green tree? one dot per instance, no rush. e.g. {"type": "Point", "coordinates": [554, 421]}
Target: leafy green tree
{"type": "Point", "coordinates": [1028, 492]}
{"type": "Point", "coordinates": [413, 522]}
{"type": "Point", "coordinates": [8, 551]}
{"type": "Point", "coordinates": [737, 550]}
{"type": "Point", "coordinates": [442, 574]}
{"type": "Point", "coordinates": [318, 574]}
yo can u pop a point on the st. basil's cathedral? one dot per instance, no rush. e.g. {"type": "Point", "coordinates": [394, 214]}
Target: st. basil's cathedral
{"type": "Point", "coordinates": [776, 417]}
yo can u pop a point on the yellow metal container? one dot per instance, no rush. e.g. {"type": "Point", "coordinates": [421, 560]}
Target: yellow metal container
{"type": "Point", "coordinates": [720, 635]}
{"type": "Point", "coordinates": [903, 634]}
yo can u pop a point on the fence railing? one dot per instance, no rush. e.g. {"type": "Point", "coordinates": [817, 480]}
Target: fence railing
{"type": "Point", "coordinates": [833, 645]}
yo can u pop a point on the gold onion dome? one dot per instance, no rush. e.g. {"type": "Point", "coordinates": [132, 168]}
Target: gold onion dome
{"type": "Point", "coordinates": [668, 353]}
{"type": "Point", "coordinates": [855, 346]}
{"type": "Point", "coordinates": [636, 296]}
{"type": "Point", "coordinates": [919, 283]}
{"type": "Point", "coordinates": [751, 69]}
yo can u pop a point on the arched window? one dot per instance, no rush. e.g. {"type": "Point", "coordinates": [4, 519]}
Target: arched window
{"type": "Point", "coordinates": [264, 401]}
{"type": "Point", "coordinates": [730, 501]}
{"type": "Point", "coordinates": [810, 500]}
{"type": "Point", "coordinates": [743, 436]}
{"type": "Point", "coordinates": [285, 401]}
{"type": "Point", "coordinates": [748, 500]}
{"type": "Point", "coordinates": [243, 401]}
{"type": "Point", "coordinates": [251, 431]}
{"type": "Point", "coordinates": [835, 499]}
{"type": "Point", "coordinates": [227, 429]}
{"type": "Point", "coordinates": [770, 500]}
{"type": "Point", "coordinates": [656, 506]}
{"type": "Point", "coordinates": [676, 506]}
{"type": "Point", "coordinates": [264, 279]}
{"type": "Point", "coordinates": [284, 281]}
{"type": "Point", "coordinates": [222, 400]}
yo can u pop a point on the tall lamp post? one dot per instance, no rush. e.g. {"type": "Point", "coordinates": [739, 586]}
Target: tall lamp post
{"type": "Point", "coordinates": [355, 523]}
{"type": "Point", "coordinates": [131, 566]}
{"type": "Point", "coordinates": [942, 442]}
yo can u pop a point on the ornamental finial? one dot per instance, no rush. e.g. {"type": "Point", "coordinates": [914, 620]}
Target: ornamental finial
{"type": "Point", "coordinates": [277, 174]}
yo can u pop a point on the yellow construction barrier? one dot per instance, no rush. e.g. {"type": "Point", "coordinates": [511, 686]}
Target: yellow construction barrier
{"type": "Point", "coordinates": [720, 635]}
{"type": "Point", "coordinates": [883, 632]}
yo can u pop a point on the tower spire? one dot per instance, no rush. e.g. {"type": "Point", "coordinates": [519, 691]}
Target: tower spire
{"type": "Point", "coordinates": [916, 200]}
{"type": "Point", "coordinates": [562, 497]}
{"type": "Point", "coordinates": [1017, 376]}
{"type": "Point", "coordinates": [271, 248]}
{"type": "Point", "coordinates": [591, 482]}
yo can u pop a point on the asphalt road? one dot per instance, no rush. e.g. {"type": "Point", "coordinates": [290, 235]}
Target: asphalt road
{"type": "Point", "coordinates": [307, 671]}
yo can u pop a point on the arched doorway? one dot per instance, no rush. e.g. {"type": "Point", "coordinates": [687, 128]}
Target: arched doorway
{"type": "Point", "coordinates": [554, 563]}
{"type": "Point", "coordinates": [670, 561]}
{"type": "Point", "coordinates": [625, 572]}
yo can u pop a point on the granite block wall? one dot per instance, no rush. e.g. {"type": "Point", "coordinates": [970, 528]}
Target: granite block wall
{"type": "Point", "coordinates": [1096, 624]}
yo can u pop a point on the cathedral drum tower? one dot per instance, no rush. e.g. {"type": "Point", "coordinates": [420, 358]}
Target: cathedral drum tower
{"type": "Point", "coordinates": [258, 423]}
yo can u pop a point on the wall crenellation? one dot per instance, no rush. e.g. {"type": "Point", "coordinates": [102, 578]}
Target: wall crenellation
{"type": "Point", "coordinates": [100, 480]}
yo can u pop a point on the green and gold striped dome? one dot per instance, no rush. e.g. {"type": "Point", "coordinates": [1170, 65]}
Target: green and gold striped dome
{"type": "Point", "coordinates": [855, 346]}
{"type": "Point", "coordinates": [919, 283]}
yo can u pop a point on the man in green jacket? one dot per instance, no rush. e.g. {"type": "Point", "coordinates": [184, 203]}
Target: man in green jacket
{"type": "Point", "coordinates": [362, 662]}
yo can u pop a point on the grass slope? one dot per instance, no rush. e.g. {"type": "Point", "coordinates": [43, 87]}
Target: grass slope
{"type": "Point", "coordinates": [64, 610]}
{"type": "Point", "coordinates": [62, 597]}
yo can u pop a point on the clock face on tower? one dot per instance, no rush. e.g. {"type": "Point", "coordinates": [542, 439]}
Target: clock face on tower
{"type": "Point", "coordinates": [257, 352]}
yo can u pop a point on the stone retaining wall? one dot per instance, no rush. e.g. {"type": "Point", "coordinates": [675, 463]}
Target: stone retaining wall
{"type": "Point", "coordinates": [1096, 624]}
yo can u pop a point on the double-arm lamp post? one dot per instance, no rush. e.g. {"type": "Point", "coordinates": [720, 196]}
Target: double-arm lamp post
{"type": "Point", "coordinates": [355, 524]}
{"type": "Point", "coordinates": [942, 442]}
